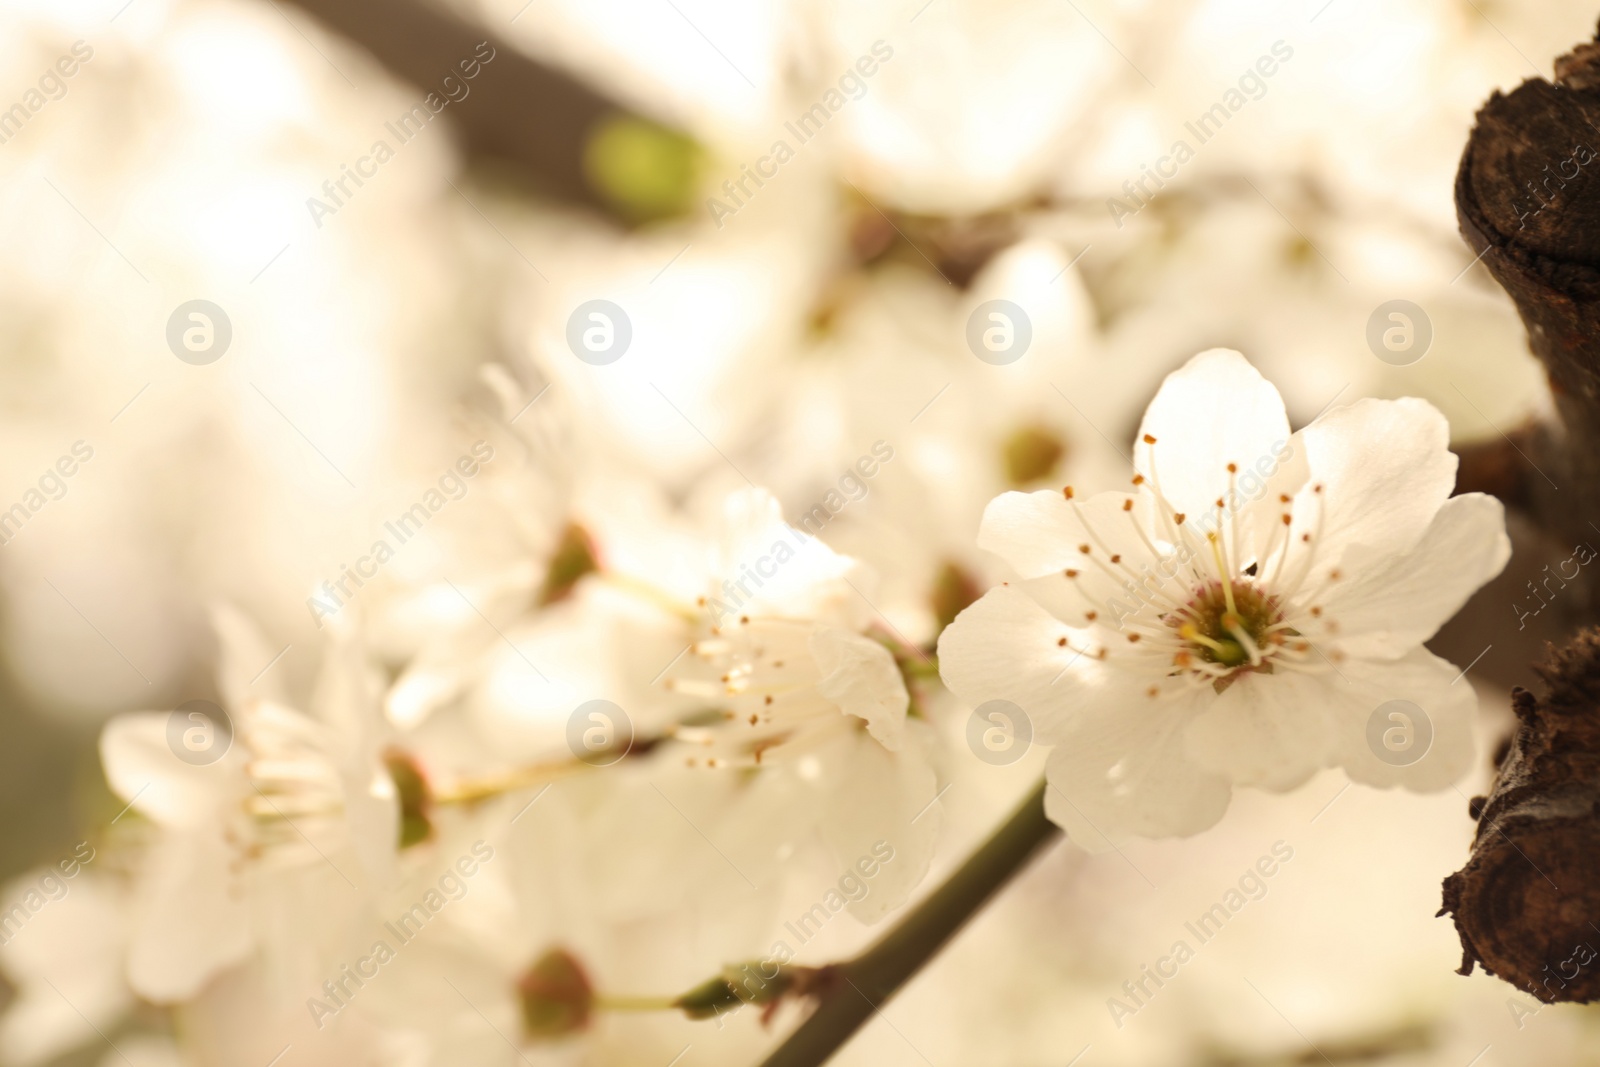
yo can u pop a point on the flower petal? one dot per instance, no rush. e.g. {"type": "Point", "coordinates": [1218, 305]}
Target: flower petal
{"type": "Point", "coordinates": [881, 813]}
{"type": "Point", "coordinates": [1006, 647]}
{"type": "Point", "coordinates": [1386, 744]}
{"type": "Point", "coordinates": [861, 677]}
{"type": "Point", "coordinates": [1388, 605]}
{"type": "Point", "coordinates": [1122, 772]}
{"type": "Point", "coordinates": [1043, 535]}
{"type": "Point", "coordinates": [190, 920]}
{"type": "Point", "coordinates": [1214, 410]}
{"type": "Point", "coordinates": [141, 768]}
{"type": "Point", "coordinates": [1271, 731]}
{"type": "Point", "coordinates": [1386, 468]}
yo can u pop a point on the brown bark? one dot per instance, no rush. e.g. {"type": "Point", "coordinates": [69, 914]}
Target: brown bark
{"type": "Point", "coordinates": [520, 113]}
{"type": "Point", "coordinates": [1527, 904]}
{"type": "Point", "coordinates": [1528, 200]}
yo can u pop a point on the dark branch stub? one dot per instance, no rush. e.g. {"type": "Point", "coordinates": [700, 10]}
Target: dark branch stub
{"type": "Point", "coordinates": [1527, 904]}
{"type": "Point", "coordinates": [1528, 200]}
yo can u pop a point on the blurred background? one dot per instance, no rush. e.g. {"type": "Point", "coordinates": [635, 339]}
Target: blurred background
{"type": "Point", "coordinates": [388, 216]}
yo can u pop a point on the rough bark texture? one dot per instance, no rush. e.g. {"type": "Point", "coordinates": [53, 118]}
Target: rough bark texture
{"type": "Point", "coordinates": [1527, 904]}
{"type": "Point", "coordinates": [1528, 200]}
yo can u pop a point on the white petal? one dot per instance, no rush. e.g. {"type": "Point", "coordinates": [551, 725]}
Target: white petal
{"type": "Point", "coordinates": [1214, 410]}
{"type": "Point", "coordinates": [190, 920]}
{"type": "Point", "coordinates": [1384, 606]}
{"type": "Point", "coordinates": [881, 814]}
{"type": "Point", "coordinates": [1447, 708]}
{"type": "Point", "coordinates": [1042, 535]}
{"type": "Point", "coordinates": [1006, 647]}
{"type": "Point", "coordinates": [425, 686]}
{"type": "Point", "coordinates": [243, 653]}
{"type": "Point", "coordinates": [1386, 468]}
{"type": "Point", "coordinates": [1266, 730]}
{"type": "Point", "coordinates": [75, 942]}
{"type": "Point", "coordinates": [140, 768]}
{"type": "Point", "coordinates": [861, 677]}
{"type": "Point", "coordinates": [1122, 772]}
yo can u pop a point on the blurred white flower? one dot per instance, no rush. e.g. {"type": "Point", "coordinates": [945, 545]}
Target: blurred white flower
{"type": "Point", "coordinates": [66, 964]}
{"type": "Point", "coordinates": [793, 679]}
{"type": "Point", "coordinates": [1237, 618]}
{"type": "Point", "coordinates": [293, 791]}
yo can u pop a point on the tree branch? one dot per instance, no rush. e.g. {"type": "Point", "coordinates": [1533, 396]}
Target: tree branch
{"type": "Point", "coordinates": [1526, 198]}
{"type": "Point", "coordinates": [1527, 901]}
{"type": "Point", "coordinates": [860, 987]}
{"type": "Point", "coordinates": [519, 111]}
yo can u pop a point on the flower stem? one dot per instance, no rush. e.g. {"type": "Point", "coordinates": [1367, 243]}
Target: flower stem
{"type": "Point", "coordinates": [867, 982]}
{"type": "Point", "coordinates": [629, 1003]}
{"type": "Point", "coordinates": [471, 790]}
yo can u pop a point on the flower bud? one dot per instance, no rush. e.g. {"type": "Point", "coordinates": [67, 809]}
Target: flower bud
{"type": "Point", "coordinates": [416, 799]}
{"type": "Point", "coordinates": [556, 996]}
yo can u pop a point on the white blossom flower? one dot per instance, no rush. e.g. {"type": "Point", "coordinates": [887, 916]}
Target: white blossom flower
{"type": "Point", "coordinates": [1239, 616]}
{"type": "Point", "coordinates": [795, 686]}
{"type": "Point", "coordinates": [65, 960]}
{"type": "Point", "coordinates": [293, 793]}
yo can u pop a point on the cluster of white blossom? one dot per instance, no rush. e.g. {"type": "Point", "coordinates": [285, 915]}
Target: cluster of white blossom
{"type": "Point", "coordinates": [526, 618]}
